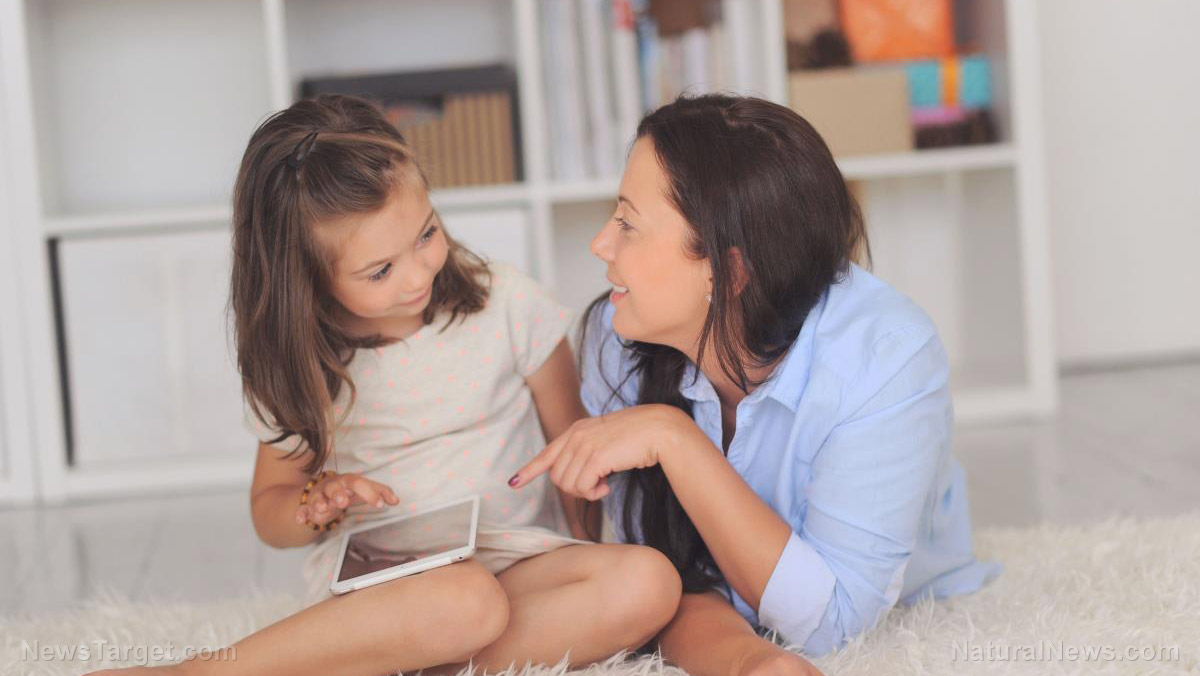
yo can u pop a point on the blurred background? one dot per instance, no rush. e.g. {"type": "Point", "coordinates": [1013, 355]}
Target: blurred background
{"type": "Point", "coordinates": [1026, 170]}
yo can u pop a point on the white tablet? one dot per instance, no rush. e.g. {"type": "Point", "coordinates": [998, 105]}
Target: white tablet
{"type": "Point", "coordinates": [404, 545]}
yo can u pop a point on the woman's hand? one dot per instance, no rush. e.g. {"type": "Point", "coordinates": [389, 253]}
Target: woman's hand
{"type": "Point", "coordinates": [331, 496]}
{"type": "Point", "coordinates": [581, 458]}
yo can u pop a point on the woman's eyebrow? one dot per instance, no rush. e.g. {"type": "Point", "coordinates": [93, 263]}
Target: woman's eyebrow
{"type": "Point", "coordinates": [420, 232]}
{"type": "Point", "coordinates": [622, 198]}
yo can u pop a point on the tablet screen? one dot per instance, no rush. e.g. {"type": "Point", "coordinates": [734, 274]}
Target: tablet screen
{"type": "Point", "coordinates": [408, 540]}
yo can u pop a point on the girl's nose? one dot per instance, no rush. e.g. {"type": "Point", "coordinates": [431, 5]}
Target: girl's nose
{"type": "Point", "coordinates": [416, 280]}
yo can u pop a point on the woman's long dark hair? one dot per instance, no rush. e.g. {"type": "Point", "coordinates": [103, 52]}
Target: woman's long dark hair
{"type": "Point", "coordinates": [754, 176]}
{"type": "Point", "coordinates": [292, 352]}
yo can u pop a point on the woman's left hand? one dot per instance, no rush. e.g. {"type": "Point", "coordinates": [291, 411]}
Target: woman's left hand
{"type": "Point", "coordinates": [581, 458]}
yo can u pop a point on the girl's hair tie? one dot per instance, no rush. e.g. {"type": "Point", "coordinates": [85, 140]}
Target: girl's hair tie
{"type": "Point", "coordinates": [303, 148]}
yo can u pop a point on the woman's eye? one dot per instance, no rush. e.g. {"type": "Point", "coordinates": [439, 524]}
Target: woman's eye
{"type": "Point", "coordinates": [381, 274]}
{"type": "Point", "coordinates": [623, 223]}
{"type": "Point", "coordinates": [428, 234]}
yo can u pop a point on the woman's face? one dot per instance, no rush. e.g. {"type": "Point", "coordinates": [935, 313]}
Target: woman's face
{"type": "Point", "coordinates": [659, 289]}
{"type": "Point", "coordinates": [386, 261]}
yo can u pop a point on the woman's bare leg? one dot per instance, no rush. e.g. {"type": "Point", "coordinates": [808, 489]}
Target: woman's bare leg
{"type": "Point", "coordinates": [591, 600]}
{"type": "Point", "coordinates": [709, 637]}
{"type": "Point", "coordinates": [443, 614]}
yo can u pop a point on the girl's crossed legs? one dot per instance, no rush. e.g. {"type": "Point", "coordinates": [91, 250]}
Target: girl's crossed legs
{"type": "Point", "coordinates": [593, 600]}
{"type": "Point", "coordinates": [590, 600]}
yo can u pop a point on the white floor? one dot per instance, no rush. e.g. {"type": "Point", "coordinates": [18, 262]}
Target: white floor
{"type": "Point", "coordinates": [1126, 442]}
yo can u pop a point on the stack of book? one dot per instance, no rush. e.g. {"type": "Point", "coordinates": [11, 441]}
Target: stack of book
{"type": "Point", "coordinates": [467, 141]}
{"type": "Point", "coordinates": [608, 62]}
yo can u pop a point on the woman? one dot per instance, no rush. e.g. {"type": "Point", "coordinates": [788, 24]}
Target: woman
{"type": "Point", "coordinates": [772, 417]}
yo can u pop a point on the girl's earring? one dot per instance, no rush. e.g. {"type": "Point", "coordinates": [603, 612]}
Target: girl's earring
{"type": "Point", "coordinates": [708, 297]}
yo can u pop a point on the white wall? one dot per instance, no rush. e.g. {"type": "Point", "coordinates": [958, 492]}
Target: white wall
{"type": "Point", "coordinates": [1121, 95]}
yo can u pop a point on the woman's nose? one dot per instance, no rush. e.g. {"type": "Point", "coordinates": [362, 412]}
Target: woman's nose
{"type": "Point", "coordinates": [601, 246]}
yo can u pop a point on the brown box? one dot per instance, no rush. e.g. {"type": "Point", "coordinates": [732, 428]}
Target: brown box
{"type": "Point", "coordinates": [857, 111]}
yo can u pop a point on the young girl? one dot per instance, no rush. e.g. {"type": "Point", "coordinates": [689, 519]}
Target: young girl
{"type": "Point", "coordinates": [386, 369]}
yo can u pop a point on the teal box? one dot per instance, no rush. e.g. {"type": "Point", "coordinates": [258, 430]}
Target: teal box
{"type": "Point", "coordinates": [974, 83]}
{"type": "Point", "coordinates": [924, 84]}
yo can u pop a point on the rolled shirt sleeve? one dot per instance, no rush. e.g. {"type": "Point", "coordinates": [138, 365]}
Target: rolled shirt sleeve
{"type": "Point", "coordinates": [871, 482]}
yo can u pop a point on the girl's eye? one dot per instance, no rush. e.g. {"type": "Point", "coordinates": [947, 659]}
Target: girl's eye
{"type": "Point", "coordinates": [428, 234]}
{"type": "Point", "coordinates": [381, 274]}
{"type": "Point", "coordinates": [623, 223]}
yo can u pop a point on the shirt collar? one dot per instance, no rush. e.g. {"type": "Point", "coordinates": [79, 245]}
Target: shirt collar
{"type": "Point", "coordinates": [695, 385]}
{"type": "Point", "coordinates": [785, 384]}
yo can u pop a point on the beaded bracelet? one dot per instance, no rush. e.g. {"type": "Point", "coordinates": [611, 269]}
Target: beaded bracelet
{"type": "Point", "coordinates": [330, 525]}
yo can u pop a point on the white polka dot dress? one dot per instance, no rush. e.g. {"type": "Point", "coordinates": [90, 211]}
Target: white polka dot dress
{"type": "Point", "coordinates": [447, 414]}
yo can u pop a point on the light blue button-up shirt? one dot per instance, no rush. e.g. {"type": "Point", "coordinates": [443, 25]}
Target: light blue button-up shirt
{"type": "Point", "coordinates": [849, 442]}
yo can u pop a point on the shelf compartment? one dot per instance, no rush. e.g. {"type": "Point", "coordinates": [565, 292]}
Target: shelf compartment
{"type": "Point", "coordinates": [143, 104]}
{"type": "Point", "coordinates": [149, 368]}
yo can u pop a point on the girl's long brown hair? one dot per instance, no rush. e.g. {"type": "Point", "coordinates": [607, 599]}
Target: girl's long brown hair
{"type": "Point", "coordinates": [292, 352]}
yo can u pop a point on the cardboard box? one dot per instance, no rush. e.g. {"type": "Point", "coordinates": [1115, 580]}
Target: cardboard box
{"type": "Point", "coordinates": [858, 111]}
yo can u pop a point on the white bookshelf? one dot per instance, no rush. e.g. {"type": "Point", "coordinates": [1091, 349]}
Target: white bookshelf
{"type": "Point", "coordinates": [135, 112]}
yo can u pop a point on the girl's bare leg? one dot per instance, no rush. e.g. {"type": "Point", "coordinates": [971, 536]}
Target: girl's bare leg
{"type": "Point", "coordinates": [709, 637]}
{"type": "Point", "coordinates": [444, 614]}
{"type": "Point", "coordinates": [591, 600]}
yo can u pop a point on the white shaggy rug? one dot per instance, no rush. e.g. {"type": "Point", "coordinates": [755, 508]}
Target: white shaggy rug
{"type": "Point", "coordinates": [1121, 597]}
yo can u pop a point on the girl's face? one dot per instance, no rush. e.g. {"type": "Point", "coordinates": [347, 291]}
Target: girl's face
{"type": "Point", "coordinates": [386, 261]}
{"type": "Point", "coordinates": [658, 287]}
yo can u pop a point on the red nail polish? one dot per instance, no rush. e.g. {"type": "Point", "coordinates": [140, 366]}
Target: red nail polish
{"type": "Point", "coordinates": [513, 481]}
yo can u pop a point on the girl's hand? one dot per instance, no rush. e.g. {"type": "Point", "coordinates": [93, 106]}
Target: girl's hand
{"type": "Point", "coordinates": [582, 457]}
{"type": "Point", "coordinates": [330, 497]}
